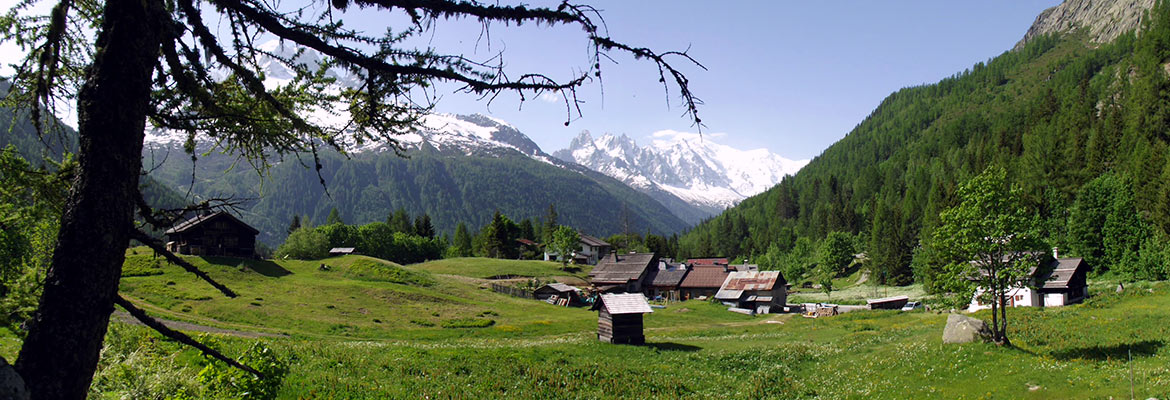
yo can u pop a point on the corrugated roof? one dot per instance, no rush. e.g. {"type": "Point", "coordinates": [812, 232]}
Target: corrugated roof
{"type": "Point", "coordinates": [560, 287]}
{"type": "Point", "coordinates": [728, 294]}
{"type": "Point", "coordinates": [704, 277]}
{"type": "Point", "coordinates": [592, 241]}
{"type": "Point", "coordinates": [888, 299]}
{"type": "Point", "coordinates": [627, 303]}
{"type": "Point", "coordinates": [752, 280]}
{"type": "Point", "coordinates": [200, 219]}
{"type": "Point", "coordinates": [622, 269]}
{"type": "Point", "coordinates": [341, 250]}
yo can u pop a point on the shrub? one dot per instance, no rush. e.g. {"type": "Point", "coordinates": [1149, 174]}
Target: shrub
{"type": "Point", "coordinates": [370, 270]}
{"type": "Point", "coordinates": [304, 244]}
{"type": "Point", "coordinates": [231, 382]}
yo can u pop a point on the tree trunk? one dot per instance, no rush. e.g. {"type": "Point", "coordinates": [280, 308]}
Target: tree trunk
{"type": "Point", "coordinates": [60, 354]}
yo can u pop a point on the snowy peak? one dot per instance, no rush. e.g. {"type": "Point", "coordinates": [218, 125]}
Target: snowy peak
{"type": "Point", "coordinates": [694, 168]}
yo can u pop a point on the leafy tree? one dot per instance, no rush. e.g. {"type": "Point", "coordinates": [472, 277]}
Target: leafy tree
{"type": "Point", "coordinates": [988, 242]}
{"type": "Point", "coordinates": [824, 277]}
{"type": "Point", "coordinates": [565, 242]}
{"type": "Point", "coordinates": [836, 252]}
{"type": "Point", "coordinates": [160, 60]}
{"type": "Point", "coordinates": [399, 221]}
{"type": "Point", "coordinates": [304, 244]}
{"type": "Point", "coordinates": [334, 217]}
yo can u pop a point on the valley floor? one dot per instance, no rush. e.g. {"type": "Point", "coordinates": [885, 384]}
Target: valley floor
{"type": "Point", "coordinates": [358, 330]}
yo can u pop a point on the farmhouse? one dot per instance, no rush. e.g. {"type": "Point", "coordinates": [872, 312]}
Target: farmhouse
{"type": "Point", "coordinates": [760, 291]}
{"type": "Point", "coordinates": [592, 251]}
{"type": "Point", "coordinates": [702, 280]}
{"type": "Point", "coordinates": [1055, 282]}
{"type": "Point", "coordinates": [559, 294]}
{"type": "Point", "coordinates": [621, 273]}
{"type": "Point", "coordinates": [664, 281]}
{"type": "Point", "coordinates": [214, 234]}
{"type": "Point", "coordinates": [619, 318]}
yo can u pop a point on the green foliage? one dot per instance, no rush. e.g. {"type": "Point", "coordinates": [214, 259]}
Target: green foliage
{"type": "Point", "coordinates": [498, 238]}
{"type": "Point", "coordinates": [462, 245]}
{"type": "Point", "coordinates": [370, 270]}
{"type": "Point", "coordinates": [836, 253]}
{"type": "Point", "coordinates": [229, 382]}
{"type": "Point", "coordinates": [468, 323]}
{"type": "Point", "coordinates": [334, 217]}
{"type": "Point", "coordinates": [142, 265]}
{"type": "Point", "coordinates": [304, 244]}
{"type": "Point", "coordinates": [564, 241]}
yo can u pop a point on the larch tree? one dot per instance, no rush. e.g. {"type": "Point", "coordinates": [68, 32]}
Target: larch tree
{"type": "Point", "coordinates": [130, 65]}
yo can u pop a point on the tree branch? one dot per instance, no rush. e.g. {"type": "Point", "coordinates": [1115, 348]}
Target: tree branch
{"type": "Point", "coordinates": [180, 337]}
{"type": "Point", "coordinates": [159, 248]}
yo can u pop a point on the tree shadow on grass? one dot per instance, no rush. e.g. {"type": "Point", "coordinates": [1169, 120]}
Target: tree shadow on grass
{"type": "Point", "coordinates": [263, 267]}
{"type": "Point", "coordinates": [1145, 348]}
{"type": "Point", "coordinates": [669, 346]}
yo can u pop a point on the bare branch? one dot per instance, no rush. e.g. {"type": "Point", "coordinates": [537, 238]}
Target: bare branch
{"type": "Point", "coordinates": [180, 337]}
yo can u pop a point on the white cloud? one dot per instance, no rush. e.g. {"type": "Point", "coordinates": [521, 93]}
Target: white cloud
{"type": "Point", "coordinates": [550, 97]}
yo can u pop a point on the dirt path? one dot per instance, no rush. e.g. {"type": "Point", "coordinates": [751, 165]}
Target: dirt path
{"type": "Point", "coordinates": [126, 318]}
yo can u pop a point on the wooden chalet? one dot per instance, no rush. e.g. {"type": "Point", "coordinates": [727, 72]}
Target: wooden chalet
{"type": "Point", "coordinates": [760, 291]}
{"type": "Point", "coordinates": [623, 273]}
{"type": "Point", "coordinates": [1055, 282]}
{"type": "Point", "coordinates": [702, 280]}
{"type": "Point", "coordinates": [214, 234]}
{"type": "Point", "coordinates": [664, 281]}
{"type": "Point", "coordinates": [619, 318]}
{"type": "Point", "coordinates": [559, 294]}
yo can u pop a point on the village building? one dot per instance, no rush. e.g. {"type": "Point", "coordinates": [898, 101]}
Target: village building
{"type": "Point", "coordinates": [707, 262]}
{"type": "Point", "coordinates": [759, 291]}
{"type": "Point", "coordinates": [1055, 282]}
{"type": "Point", "coordinates": [703, 280]}
{"type": "Point", "coordinates": [619, 318]}
{"type": "Point", "coordinates": [591, 252]}
{"type": "Point", "coordinates": [213, 234]}
{"type": "Point", "coordinates": [623, 273]}
{"type": "Point", "coordinates": [664, 281]}
{"type": "Point", "coordinates": [559, 294]}
{"type": "Point", "coordinates": [342, 251]}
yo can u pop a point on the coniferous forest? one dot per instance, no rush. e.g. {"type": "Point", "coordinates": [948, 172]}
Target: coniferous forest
{"type": "Point", "coordinates": [1081, 127]}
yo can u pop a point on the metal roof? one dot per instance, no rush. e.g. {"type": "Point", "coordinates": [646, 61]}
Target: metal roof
{"type": "Point", "coordinates": [888, 299]}
{"type": "Point", "coordinates": [560, 287]}
{"type": "Point", "coordinates": [752, 280]}
{"type": "Point", "coordinates": [627, 303]}
{"type": "Point", "coordinates": [341, 250]}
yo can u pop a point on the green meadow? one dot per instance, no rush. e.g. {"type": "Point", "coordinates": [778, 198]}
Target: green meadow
{"type": "Point", "coordinates": [366, 328]}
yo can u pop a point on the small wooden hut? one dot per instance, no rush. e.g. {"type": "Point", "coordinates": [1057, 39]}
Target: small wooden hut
{"type": "Point", "coordinates": [559, 294]}
{"type": "Point", "coordinates": [619, 318]}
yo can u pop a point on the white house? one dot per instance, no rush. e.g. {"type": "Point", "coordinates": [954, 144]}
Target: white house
{"type": "Point", "coordinates": [592, 250]}
{"type": "Point", "coordinates": [1056, 282]}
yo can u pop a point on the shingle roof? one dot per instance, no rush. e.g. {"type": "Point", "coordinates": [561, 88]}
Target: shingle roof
{"type": "Point", "coordinates": [704, 277]}
{"type": "Point", "coordinates": [629, 303]}
{"type": "Point", "coordinates": [661, 278]}
{"type": "Point", "coordinates": [200, 219]}
{"type": "Point", "coordinates": [625, 268]}
{"type": "Point", "coordinates": [1063, 270]}
{"type": "Point", "coordinates": [592, 241]}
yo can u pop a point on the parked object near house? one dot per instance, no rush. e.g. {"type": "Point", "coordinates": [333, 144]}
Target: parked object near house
{"type": "Point", "coordinates": [563, 294]}
{"type": "Point", "coordinates": [623, 273]}
{"type": "Point", "coordinates": [1055, 282]}
{"type": "Point", "coordinates": [341, 251]}
{"type": "Point", "coordinates": [888, 303]}
{"type": "Point", "coordinates": [913, 305]}
{"type": "Point", "coordinates": [817, 310]}
{"type": "Point", "coordinates": [754, 290]}
{"type": "Point", "coordinates": [619, 318]}
{"type": "Point", "coordinates": [703, 280]}
{"type": "Point", "coordinates": [214, 234]}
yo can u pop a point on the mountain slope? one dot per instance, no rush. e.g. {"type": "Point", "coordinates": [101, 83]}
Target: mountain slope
{"type": "Point", "coordinates": [702, 173]}
{"type": "Point", "coordinates": [1056, 113]}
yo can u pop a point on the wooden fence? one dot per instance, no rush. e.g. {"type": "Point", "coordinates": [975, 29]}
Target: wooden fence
{"type": "Point", "coordinates": [512, 291]}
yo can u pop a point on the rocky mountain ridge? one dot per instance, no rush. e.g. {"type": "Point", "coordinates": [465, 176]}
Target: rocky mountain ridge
{"type": "Point", "coordinates": [1104, 20]}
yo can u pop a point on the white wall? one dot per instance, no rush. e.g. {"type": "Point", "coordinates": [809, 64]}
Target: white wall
{"type": "Point", "coordinates": [1016, 297]}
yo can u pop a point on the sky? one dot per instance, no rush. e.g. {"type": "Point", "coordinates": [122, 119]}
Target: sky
{"type": "Point", "coordinates": [789, 76]}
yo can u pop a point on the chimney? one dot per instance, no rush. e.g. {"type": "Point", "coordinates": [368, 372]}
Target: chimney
{"type": "Point", "coordinates": [615, 255]}
{"type": "Point", "coordinates": [1055, 252]}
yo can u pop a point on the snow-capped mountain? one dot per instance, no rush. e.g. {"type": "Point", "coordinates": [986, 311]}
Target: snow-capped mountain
{"type": "Point", "coordinates": [694, 168]}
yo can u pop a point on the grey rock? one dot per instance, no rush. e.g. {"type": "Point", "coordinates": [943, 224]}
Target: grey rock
{"type": "Point", "coordinates": [964, 329]}
{"type": "Point", "coordinates": [11, 385]}
{"type": "Point", "coordinates": [1105, 20]}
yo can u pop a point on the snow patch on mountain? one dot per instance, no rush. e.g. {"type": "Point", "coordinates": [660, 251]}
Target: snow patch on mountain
{"type": "Point", "coordinates": [690, 166]}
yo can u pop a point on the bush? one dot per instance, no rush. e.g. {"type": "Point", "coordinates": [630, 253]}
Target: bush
{"type": "Point", "coordinates": [304, 244]}
{"type": "Point", "coordinates": [231, 382]}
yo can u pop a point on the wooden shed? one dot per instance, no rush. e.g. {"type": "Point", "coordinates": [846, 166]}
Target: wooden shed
{"type": "Point", "coordinates": [619, 318]}
{"type": "Point", "coordinates": [559, 294]}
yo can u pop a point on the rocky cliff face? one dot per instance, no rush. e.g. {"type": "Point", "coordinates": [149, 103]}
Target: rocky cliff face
{"type": "Point", "coordinates": [1105, 20]}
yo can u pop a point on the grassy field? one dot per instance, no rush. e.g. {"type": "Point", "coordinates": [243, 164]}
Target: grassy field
{"type": "Point", "coordinates": [371, 329]}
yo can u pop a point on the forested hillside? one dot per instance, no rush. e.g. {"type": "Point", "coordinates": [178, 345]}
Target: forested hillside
{"type": "Point", "coordinates": [1081, 127]}
{"type": "Point", "coordinates": [450, 187]}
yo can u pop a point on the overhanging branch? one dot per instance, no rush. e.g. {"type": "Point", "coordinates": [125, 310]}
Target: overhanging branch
{"type": "Point", "coordinates": [180, 337]}
{"type": "Point", "coordinates": [159, 248]}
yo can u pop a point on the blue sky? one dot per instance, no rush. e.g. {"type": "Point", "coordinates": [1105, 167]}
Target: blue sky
{"type": "Point", "coordinates": [790, 76]}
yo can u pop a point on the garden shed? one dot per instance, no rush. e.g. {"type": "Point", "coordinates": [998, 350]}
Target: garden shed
{"type": "Point", "coordinates": [619, 318]}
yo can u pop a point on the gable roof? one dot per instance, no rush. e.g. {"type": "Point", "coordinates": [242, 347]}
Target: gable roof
{"type": "Point", "coordinates": [710, 277]}
{"type": "Point", "coordinates": [1061, 275]}
{"type": "Point", "coordinates": [560, 287]}
{"type": "Point", "coordinates": [748, 281]}
{"type": "Point", "coordinates": [200, 219]}
{"type": "Point", "coordinates": [665, 278]}
{"type": "Point", "coordinates": [628, 303]}
{"type": "Point", "coordinates": [592, 241]}
{"type": "Point", "coordinates": [621, 268]}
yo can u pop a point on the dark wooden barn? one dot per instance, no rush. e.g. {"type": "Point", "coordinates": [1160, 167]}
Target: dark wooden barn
{"type": "Point", "coordinates": [215, 234]}
{"type": "Point", "coordinates": [619, 318]}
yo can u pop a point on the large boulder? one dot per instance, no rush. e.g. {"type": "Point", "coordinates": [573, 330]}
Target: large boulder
{"type": "Point", "coordinates": [11, 385]}
{"type": "Point", "coordinates": [964, 329]}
